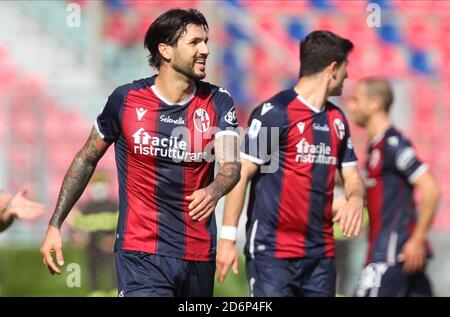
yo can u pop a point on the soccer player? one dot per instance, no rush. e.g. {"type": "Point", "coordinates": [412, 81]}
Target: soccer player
{"type": "Point", "coordinates": [165, 129]}
{"type": "Point", "coordinates": [295, 143]}
{"type": "Point", "coordinates": [17, 206]}
{"type": "Point", "coordinates": [398, 247]}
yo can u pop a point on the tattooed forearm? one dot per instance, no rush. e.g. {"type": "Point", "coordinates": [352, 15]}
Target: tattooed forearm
{"type": "Point", "coordinates": [78, 176]}
{"type": "Point", "coordinates": [227, 154]}
{"type": "Point", "coordinates": [227, 177]}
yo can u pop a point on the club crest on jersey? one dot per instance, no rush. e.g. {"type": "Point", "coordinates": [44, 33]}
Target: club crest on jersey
{"type": "Point", "coordinates": [201, 120]}
{"type": "Point", "coordinates": [301, 127]}
{"type": "Point", "coordinates": [140, 113]}
{"type": "Point", "coordinates": [339, 128]}
{"type": "Point", "coordinates": [230, 117]}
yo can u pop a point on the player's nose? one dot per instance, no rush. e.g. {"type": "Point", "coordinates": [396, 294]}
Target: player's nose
{"type": "Point", "coordinates": [203, 49]}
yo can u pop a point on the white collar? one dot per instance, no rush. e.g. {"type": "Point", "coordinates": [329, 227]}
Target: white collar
{"type": "Point", "coordinates": [181, 103]}
{"type": "Point", "coordinates": [310, 106]}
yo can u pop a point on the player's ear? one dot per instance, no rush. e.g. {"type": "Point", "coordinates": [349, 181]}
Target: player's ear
{"type": "Point", "coordinates": [333, 68]}
{"type": "Point", "coordinates": [379, 103]}
{"type": "Point", "coordinates": [374, 104]}
{"type": "Point", "coordinates": [166, 51]}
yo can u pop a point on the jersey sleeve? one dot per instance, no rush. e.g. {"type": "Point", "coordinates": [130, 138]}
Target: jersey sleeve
{"type": "Point", "coordinates": [226, 110]}
{"type": "Point", "coordinates": [108, 121]}
{"type": "Point", "coordinates": [347, 156]}
{"type": "Point", "coordinates": [405, 159]}
{"type": "Point", "coordinates": [262, 138]}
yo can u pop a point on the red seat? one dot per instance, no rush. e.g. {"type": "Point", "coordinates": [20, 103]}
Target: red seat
{"type": "Point", "coordinates": [392, 61]}
{"type": "Point", "coordinates": [420, 33]}
{"type": "Point", "coordinates": [280, 6]}
{"type": "Point", "coordinates": [414, 7]}
{"type": "Point", "coordinates": [349, 7]}
{"type": "Point", "coordinates": [355, 28]}
{"type": "Point", "coordinates": [328, 22]}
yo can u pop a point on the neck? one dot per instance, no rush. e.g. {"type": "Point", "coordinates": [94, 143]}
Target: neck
{"type": "Point", "coordinates": [174, 86]}
{"type": "Point", "coordinates": [313, 89]}
{"type": "Point", "coordinates": [378, 124]}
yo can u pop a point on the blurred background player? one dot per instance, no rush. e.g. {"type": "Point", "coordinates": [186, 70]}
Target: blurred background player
{"type": "Point", "coordinates": [398, 247]}
{"type": "Point", "coordinates": [290, 244]}
{"type": "Point", "coordinates": [17, 206]}
{"type": "Point", "coordinates": [163, 128]}
{"type": "Point", "coordinates": [94, 225]}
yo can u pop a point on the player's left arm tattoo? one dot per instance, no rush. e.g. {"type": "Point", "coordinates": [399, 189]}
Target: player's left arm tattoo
{"type": "Point", "coordinates": [227, 155]}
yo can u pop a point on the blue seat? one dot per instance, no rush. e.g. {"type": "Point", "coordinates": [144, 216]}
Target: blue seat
{"type": "Point", "coordinates": [296, 29]}
{"type": "Point", "coordinates": [236, 33]}
{"type": "Point", "coordinates": [388, 33]}
{"type": "Point", "coordinates": [322, 5]}
{"type": "Point", "coordinates": [419, 62]}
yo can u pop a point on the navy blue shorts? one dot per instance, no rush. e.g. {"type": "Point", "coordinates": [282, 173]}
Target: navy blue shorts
{"type": "Point", "coordinates": [272, 277]}
{"type": "Point", "coordinates": [381, 280]}
{"type": "Point", "coordinates": [141, 274]}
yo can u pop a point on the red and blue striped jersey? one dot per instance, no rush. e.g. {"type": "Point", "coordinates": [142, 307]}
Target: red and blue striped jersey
{"type": "Point", "coordinates": [298, 149]}
{"type": "Point", "coordinates": [164, 152]}
{"type": "Point", "coordinates": [392, 166]}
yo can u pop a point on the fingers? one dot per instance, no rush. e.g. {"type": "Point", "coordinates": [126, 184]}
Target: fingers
{"type": "Point", "coordinates": [412, 264]}
{"type": "Point", "coordinates": [409, 265]}
{"type": "Point", "coordinates": [28, 210]}
{"type": "Point", "coordinates": [219, 264]}
{"type": "Point", "coordinates": [204, 215]}
{"type": "Point", "coordinates": [236, 265]}
{"type": "Point", "coordinates": [59, 256]}
{"type": "Point", "coordinates": [415, 265]}
{"type": "Point", "coordinates": [350, 220]}
{"type": "Point", "coordinates": [195, 199]}
{"type": "Point", "coordinates": [223, 271]}
{"type": "Point", "coordinates": [358, 226]}
{"type": "Point", "coordinates": [200, 207]}
{"type": "Point", "coordinates": [48, 262]}
{"type": "Point", "coordinates": [338, 215]}
{"type": "Point", "coordinates": [355, 222]}
{"type": "Point", "coordinates": [343, 222]}
{"type": "Point", "coordinates": [227, 256]}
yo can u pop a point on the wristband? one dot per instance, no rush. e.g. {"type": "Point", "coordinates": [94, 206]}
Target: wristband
{"type": "Point", "coordinates": [228, 233]}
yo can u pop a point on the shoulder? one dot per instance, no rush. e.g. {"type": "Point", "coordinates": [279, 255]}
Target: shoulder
{"type": "Point", "coordinates": [122, 91]}
{"type": "Point", "coordinates": [275, 106]}
{"type": "Point", "coordinates": [206, 89]}
{"type": "Point", "coordinates": [394, 140]}
{"type": "Point", "coordinates": [220, 97]}
{"type": "Point", "coordinates": [399, 148]}
{"type": "Point", "coordinates": [336, 110]}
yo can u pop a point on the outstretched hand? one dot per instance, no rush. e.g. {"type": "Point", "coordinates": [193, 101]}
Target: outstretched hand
{"type": "Point", "coordinates": [23, 208]}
